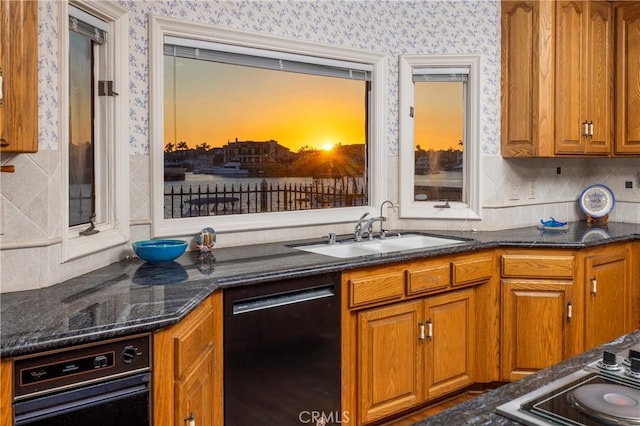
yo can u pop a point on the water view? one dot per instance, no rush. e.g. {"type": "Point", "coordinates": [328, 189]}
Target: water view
{"type": "Point", "coordinates": [205, 195]}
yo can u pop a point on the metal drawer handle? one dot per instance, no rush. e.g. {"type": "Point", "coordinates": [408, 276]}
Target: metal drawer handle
{"type": "Point", "coordinates": [594, 286]}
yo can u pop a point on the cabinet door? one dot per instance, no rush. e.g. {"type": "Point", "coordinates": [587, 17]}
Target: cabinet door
{"type": "Point", "coordinates": [599, 84]}
{"type": "Point", "coordinates": [570, 76]}
{"type": "Point", "coordinates": [628, 78]}
{"type": "Point", "coordinates": [187, 368]}
{"type": "Point", "coordinates": [6, 392]}
{"type": "Point", "coordinates": [194, 394]}
{"type": "Point", "coordinates": [527, 79]}
{"type": "Point", "coordinates": [19, 70]}
{"type": "Point", "coordinates": [390, 360]}
{"type": "Point", "coordinates": [535, 315]}
{"type": "Point", "coordinates": [449, 342]}
{"type": "Point", "coordinates": [608, 297]}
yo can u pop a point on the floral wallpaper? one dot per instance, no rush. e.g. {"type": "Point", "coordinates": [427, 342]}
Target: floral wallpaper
{"type": "Point", "coordinates": [392, 27]}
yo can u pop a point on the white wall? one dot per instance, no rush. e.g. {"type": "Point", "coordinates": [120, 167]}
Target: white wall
{"type": "Point", "coordinates": [30, 222]}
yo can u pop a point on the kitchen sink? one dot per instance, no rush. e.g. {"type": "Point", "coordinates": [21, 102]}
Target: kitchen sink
{"type": "Point", "coordinates": [351, 248]}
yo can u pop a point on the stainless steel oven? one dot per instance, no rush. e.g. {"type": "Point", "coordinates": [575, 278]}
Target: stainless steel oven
{"type": "Point", "coordinates": [105, 384]}
{"type": "Point", "coordinates": [605, 392]}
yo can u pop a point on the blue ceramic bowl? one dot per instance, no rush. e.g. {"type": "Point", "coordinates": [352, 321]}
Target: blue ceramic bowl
{"type": "Point", "coordinates": [159, 251]}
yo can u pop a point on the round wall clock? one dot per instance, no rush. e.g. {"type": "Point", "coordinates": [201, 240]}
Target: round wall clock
{"type": "Point", "coordinates": [597, 200]}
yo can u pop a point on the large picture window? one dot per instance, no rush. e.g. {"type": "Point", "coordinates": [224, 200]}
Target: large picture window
{"type": "Point", "coordinates": [251, 131]}
{"type": "Point", "coordinates": [255, 131]}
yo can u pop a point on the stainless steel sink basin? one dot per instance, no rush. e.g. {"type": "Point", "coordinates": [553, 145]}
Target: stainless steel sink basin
{"type": "Point", "coordinates": [352, 248]}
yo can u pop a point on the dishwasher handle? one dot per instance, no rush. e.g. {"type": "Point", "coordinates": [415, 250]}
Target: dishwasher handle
{"type": "Point", "coordinates": [282, 299]}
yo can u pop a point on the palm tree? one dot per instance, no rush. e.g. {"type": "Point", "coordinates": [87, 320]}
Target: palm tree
{"type": "Point", "coordinates": [203, 147]}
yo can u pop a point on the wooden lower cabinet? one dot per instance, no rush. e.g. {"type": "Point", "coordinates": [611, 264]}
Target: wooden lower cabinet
{"type": "Point", "coordinates": [608, 295]}
{"type": "Point", "coordinates": [536, 316]}
{"type": "Point", "coordinates": [187, 368]}
{"type": "Point", "coordinates": [541, 310]}
{"type": "Point", "coordinates": [195, 393]}
{"type": "Point", "coordinates": [414, 351]}
{"type": "Point", "coordinates": [390, 360]}
{"type": "Point", "coordinates": [450, 343]}
{"type": "Point", "coordinates": [6, 392]}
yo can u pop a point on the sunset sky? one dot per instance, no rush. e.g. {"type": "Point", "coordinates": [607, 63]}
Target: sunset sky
{"type": "Point", "coordinates": [439, 119]}
{"type": "Point", "coordinates": [257, 104]}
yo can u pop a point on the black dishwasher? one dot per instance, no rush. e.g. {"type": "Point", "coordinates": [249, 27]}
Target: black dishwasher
{"type": "Point", "coordinates": [282, 352]}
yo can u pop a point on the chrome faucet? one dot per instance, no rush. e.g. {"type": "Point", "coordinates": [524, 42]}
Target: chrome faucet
{"type": "Point", "coordinates": [357, 232]}
{"type": "Point", "coordinates": [368, 227]}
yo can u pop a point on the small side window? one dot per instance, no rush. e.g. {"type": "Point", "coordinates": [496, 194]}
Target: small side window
{"type": "Point", "coordinates": [439, 144]}
{"type": "Point", "coordinates": [94, 128]}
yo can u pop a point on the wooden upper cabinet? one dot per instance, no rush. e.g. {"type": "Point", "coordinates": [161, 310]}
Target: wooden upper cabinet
{"type": "Point", "coordinates": [628, 79]}
{"type": "Point", "coordinates": [527, 79]}
{"type": "Point", "coordinates": [19, 70]}
{"type": "Point", "coordinates": [557, 78]}
{"type": "Point", "coordinates": [584, 77]}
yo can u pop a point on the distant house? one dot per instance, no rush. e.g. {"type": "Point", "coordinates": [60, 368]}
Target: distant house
{"type": "Point", "coordinates": [255, 155]}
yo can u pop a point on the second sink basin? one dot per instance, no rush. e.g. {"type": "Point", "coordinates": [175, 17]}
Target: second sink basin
{"type": "Point", "coordinates": [390, 244]}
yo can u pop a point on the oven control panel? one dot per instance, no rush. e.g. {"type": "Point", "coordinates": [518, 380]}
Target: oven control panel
{"type": "Point", "coordinates": [71, 367]}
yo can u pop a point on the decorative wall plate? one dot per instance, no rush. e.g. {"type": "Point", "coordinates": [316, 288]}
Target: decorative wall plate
{"type": "Point", "coordinates": [597, 200]}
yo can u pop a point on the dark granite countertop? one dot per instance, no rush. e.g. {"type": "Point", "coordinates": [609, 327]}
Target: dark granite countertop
{"type": "Point", "coordinates": [481, 410]}
{"type": "Point", "coordinates": [132, 296]}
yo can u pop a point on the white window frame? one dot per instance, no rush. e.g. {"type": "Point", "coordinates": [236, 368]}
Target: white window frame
{"type": "Point", "coordinates": [161, 27]}
{"type": "Point", "coordinates": [409, 208]}
{"type": "Point", "coordinates": [112, 151]}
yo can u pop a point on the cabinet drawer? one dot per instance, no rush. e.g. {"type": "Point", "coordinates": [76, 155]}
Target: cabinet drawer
{"type": "Point", "coordinates": [196, 340]}
{"type": "Point", "coordinates": [376, 288]}
{"type": "Point", "coordinates": [535, 266]}
{"type": "Point", "coordinates": [429, 278]}
{"type": "Point", "coordinates": [472, 270]}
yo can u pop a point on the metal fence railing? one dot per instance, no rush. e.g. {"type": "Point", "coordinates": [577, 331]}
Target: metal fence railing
{"type": "Point", "coordinates": [210, 200]}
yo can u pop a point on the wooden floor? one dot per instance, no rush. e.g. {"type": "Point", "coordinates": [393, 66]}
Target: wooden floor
{"type": "Point", "coordinates": [433, 410]}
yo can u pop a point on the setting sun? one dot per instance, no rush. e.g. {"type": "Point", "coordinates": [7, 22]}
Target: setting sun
{"type": "Point", "coordinates": [327, 146]}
